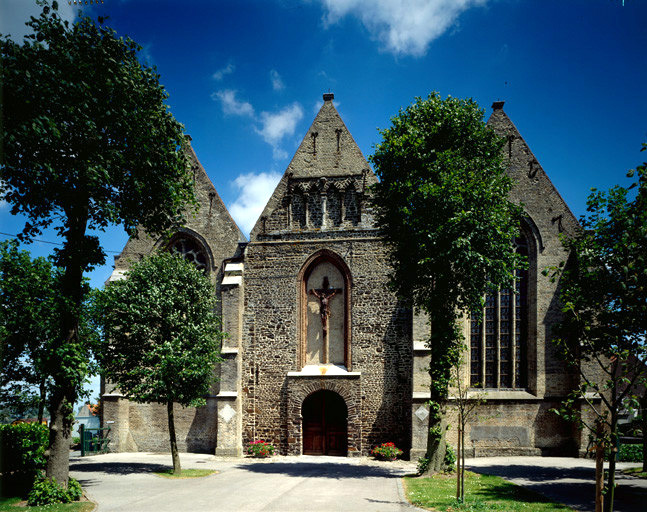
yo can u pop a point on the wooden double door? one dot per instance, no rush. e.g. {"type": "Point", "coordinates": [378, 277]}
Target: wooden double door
{"type": "Point", "coordinates": [325, 424]}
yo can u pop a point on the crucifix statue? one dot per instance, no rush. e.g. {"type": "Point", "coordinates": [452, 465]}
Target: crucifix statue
{"type": "Point", "coordinates": [324, 294]}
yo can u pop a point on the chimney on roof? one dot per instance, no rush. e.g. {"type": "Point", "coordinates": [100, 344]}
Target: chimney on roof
{"type": "Point", "coordinates": [328, 96]}
{"type": "Point", "coordinates": [498, 105]}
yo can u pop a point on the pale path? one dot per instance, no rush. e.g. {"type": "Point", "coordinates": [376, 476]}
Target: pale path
{"type": "Point", "coordinates": [124, 482]}
{"type": "Point", "coordinates": [564, 479]}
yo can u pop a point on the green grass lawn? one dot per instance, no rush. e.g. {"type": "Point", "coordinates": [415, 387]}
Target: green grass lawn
{"type": "Point", "coordinates": [482, 492]}
{"type": "Point", "coordinates": [186, 473]}
{"type": "Point", "coordinates": [14, 505]}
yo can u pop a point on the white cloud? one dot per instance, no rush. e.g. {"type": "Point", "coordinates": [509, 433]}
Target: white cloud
{"type": "Point", "coordinates": [277, 81]}
{"type": "Point", "coordinates": [231, 105]}
{"type": "Point", "coordinates": [277, 125]}
{"type": "Point", "coordinates": [403, 27]}
{"type": "Point", "coordinates": [254, 190]}
{"type": "Point", "coordinates": [317, 107]}
{"type": "Point", "coordinates": [14, 14]}
{"type": "Point", "coordinates": [221, 73]}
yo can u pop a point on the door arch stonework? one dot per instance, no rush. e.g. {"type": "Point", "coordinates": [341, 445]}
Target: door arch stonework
{"type": "Point", "coordinates": [300, 388]}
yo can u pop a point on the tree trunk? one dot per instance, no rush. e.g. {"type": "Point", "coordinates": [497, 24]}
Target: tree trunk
{"type": "Point", "coordinates": [62, 359]}
{"type": "Point", "coordinates": [613, 453]}
{"type": "Point", "coordinates": [62, 418]}
{"type": "Point", "coordinates": [458, 461]}
{"type": "Point", "coordinates": [177, 469]}
{"type": "Point", "coordinates": [643, 427]}
{"type": "Point", "coordinates": [463, 462]}
{"type": "Point", "coordinates": [41, 403]}
{"type": "Point", "coordinates": [599, 468]}
{"type": "Point", "coordinates": [444, 356]}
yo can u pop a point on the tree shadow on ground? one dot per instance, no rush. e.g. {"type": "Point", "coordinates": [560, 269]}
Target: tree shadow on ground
{"type": "Point", "coordinates": [536, 473]}
{"type": "Point", "coordinates": [117, 468]}
{"type": "Point", "coordinates": [313, 469]}
{"type": "Point", "coordinates": [630, 496]}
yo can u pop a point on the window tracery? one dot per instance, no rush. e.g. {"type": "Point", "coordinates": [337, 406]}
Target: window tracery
{"type": "Point", "coordinates": [187, 247]}
{"type": "Point", "coordinates": [499, 339]}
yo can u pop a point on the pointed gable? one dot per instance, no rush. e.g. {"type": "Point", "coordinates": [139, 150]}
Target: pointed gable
{"type": "Point", "coordinates": [531, 185]}
{"type": "Point", "coordinates": [328, 156]}
{"type": "Point", "coordinates": [211, 225]}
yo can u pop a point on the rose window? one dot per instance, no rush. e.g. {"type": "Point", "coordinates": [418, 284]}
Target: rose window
{"type": "Point", "coordinates": [189, 249]}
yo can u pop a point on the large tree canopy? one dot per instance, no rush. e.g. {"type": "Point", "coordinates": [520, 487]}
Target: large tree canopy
{"type": "Point", "coordinates": [87, 141]}
{"type": "Point", "coordinates": [160, 334]}
{"type": "Point", "coordinates": [443, 209]}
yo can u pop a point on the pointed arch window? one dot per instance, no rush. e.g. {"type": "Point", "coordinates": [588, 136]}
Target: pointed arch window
{"type": "Point", "coordinates": [499, 339]}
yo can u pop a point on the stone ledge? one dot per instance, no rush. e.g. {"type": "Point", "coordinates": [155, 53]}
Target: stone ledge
{"type": "Point", "coordinates": [228, 350]}
{"type": "Point", "coordinates": [227, 394]}
{"type": "Point", "coordinates": [485, 395]}
{"type": "Point", "coordinates": [321, 371]}
{"type": "Point", "coordinates": [420, 346]}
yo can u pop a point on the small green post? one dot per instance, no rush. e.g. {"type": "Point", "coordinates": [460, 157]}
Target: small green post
{"type": "Point", "coordinates": [82, 434]}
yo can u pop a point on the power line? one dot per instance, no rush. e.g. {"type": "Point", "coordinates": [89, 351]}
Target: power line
{"type": "Point", "coordinates": [48, 242]}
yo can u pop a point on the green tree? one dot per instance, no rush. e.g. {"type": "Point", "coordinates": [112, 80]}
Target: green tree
{"type": "Point", "coordinates": [29, 324]}
{"type": "Point", "coordinates": [160, 335]}
{"type": "Point", "coordinates": [443, 209]}
{"type": "Point", "coordinates": [88, 141]}
{"type": "Point", "coordinates": [603, 289]}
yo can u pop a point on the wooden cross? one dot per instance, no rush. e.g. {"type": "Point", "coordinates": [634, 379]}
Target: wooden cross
{"type": "Point", "coordinates": [324, 294]}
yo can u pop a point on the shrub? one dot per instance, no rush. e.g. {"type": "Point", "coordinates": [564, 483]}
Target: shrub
{"type": "Point", "coordinates": [630, 453]}
{"type": "Point", "coordinates": [260, 449]}
{"type": "Point", "coordinates": [23, 447]}
{"type": "Point", "coordinates": [423, 465]}
{"type": "Point", "coordinates": [386, 451]}
{"type": "Point", "coordinates": [450, 459]}
{"type": "Point", "coordinates": [48, 492]}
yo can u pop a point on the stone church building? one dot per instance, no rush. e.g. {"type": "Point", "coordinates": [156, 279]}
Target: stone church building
{"type": "Point", "coordinates": [321, 357]}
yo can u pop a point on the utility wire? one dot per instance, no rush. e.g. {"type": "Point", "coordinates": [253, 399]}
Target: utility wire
{"type": "Point", "coordinates": [48, 242]}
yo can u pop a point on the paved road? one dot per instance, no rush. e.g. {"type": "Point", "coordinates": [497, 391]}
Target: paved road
{"type": "Point", "coordinates": [567, 480]}
{"type": "Point", "coordinates": [124, 482]}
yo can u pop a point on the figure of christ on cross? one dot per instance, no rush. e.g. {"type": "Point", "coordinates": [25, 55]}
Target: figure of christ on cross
{"type": "Point", "coordinates": [324, 294]}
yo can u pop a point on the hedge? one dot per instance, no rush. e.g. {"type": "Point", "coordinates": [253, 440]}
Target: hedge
{"type": "Point", "coordinates": [22, 449]}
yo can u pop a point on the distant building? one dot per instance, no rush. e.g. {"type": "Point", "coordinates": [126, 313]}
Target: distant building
{"type": "Point", "coordinates": [321, 357]}
{"type": "Point", "coordinates": [86, 415]}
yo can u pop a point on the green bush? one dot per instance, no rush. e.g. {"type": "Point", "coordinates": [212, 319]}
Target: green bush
{"type": "Point", "coordinates": [423, 465]}
{"type": "Point", "coordinates": [23, 447]}
{"type": "Point", "coordinates": [630, 453]}
{"type": "Point", "coordinates": [48, 492]}
{"type": "Point", "coordinates": [450, 459]}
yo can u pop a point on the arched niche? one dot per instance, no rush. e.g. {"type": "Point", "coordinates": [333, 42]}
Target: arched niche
{"type": "Point", "coordinates": [324, 304]}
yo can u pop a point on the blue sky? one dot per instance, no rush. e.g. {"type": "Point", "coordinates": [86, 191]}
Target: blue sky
{"type": "Point", "coordinates": [246, 77]}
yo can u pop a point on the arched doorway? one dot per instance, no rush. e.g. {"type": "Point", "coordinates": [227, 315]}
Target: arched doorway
{"type": "Point", "coordinates": [325, 424]}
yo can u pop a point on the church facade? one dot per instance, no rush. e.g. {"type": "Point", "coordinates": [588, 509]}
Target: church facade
{"type": "Point", "coordinates": [321, 357]}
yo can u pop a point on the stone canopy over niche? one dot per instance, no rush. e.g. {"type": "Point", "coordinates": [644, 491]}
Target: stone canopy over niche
{"type": "Point", "coordinates": [325, 283]}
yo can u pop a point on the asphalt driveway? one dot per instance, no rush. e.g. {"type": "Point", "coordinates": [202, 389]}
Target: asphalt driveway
{"type": "Point", "coordinates": [125, 482]}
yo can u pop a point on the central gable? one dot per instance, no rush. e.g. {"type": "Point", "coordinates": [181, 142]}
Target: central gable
{"type": "Point", "coordinates": [327, 160]}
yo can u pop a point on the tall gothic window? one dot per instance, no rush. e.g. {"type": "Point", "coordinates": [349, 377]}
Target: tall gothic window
{"type": "Point", "coordinates": [498, 340]}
